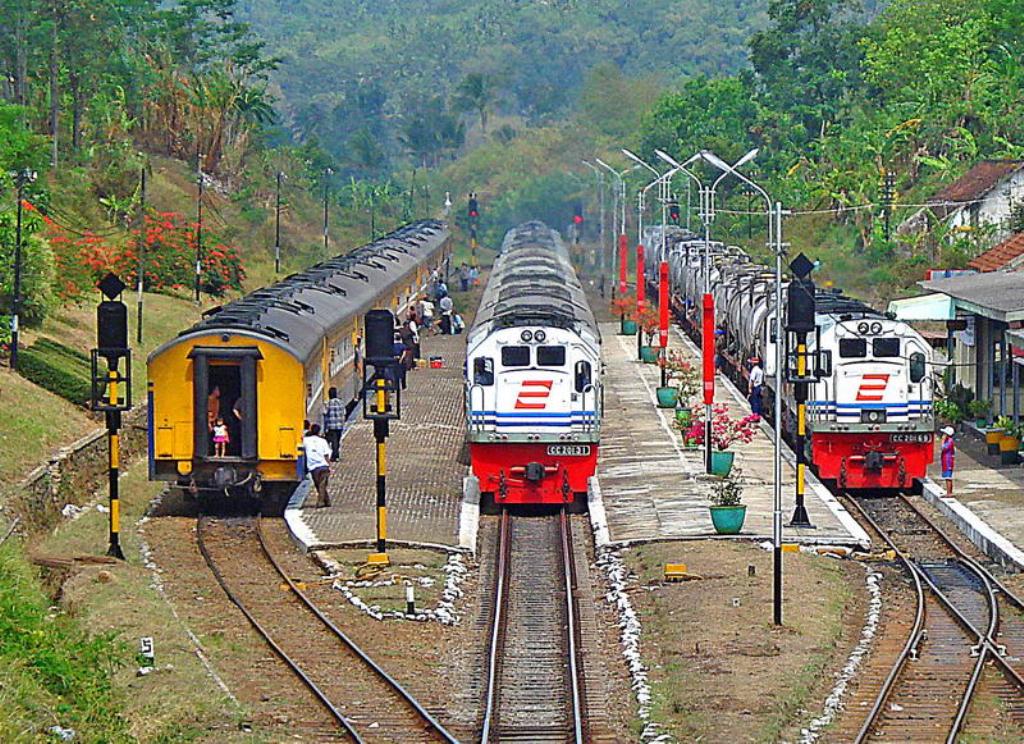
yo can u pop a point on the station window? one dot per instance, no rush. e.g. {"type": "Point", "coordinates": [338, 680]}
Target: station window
{"type": "Point", "coordinates": [583, 376]}
{"type": "Point", "coordinates": [885, 347]}
{"type": "Point", "coordinates": [515, 356]}
{"type": "Point", "coordinates": [483, 371]}
{"type": "Point", "coordinates": [550, 356]}
{"type": "Point", "coordinates": [917, 366]}
{"type": "Point", "coordinates": [850, 348]}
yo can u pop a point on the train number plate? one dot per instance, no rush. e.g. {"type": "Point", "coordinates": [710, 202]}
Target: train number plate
{"type": "Point", "coordinates": [569, 450]}
{"type": "Point", "coordinates": [919, 438]}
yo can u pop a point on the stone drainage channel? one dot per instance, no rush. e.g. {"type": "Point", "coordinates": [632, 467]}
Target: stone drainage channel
{"type": "Point", "coordinates": [331, 666]}
{"type": "Point", "coordinates": [967, 635]}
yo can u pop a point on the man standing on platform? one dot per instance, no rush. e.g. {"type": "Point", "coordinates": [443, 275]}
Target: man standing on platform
{"type": "Point", "coordinates": [334, 422]}
{"type": "Point", "coordinates": [317, 451]}
{"type": "Point", "coordinates": [756, 386]}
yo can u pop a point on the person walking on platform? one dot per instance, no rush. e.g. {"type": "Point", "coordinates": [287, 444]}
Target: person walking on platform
{"type": "Point", "coordinates": [317, 450]}
{"type": "Point", "coordinates": [447, 306]}
{"type": "Point", "coordinates": [947, 458]}
{"type": "Point", "coordinates": [756, 386]}
{"type": "Point", "coordinates": [464, 277]}
{"type": "Point", "coordinates": [334, 422]}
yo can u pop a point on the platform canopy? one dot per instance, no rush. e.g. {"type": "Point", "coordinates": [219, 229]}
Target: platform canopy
{"type": "Point", "coordinates": [925, 307]}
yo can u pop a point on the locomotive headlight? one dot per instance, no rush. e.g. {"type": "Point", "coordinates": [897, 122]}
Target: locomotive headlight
{"type": "Point", "coordinates": [863, 328]}
{"type": "Point", "coordinates": [876, 328]}
{"type": "Point", "coordinates": [539, 337]}
{"type": "Point", "coordinates": [527, 336]}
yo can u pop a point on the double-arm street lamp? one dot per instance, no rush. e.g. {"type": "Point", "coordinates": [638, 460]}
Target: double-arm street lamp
{"type": "Point", "coordinates": [599, 175]}
{"type": "Point", "coordinates": [621, 210]}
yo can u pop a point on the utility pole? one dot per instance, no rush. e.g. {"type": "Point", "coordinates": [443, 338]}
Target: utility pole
{"type": "Point", "coordinates": [277, 225]}
{"type": "Point", "coordinates": [140, 247]}
{"type": "Point", "coordinates": [199, 225]}
{"type": "Point", "coordinates": [327, 175]}
{"type": "Point", "coordinates": [21, 179]}
{"type": "Point", "coordinates": [888, 194]}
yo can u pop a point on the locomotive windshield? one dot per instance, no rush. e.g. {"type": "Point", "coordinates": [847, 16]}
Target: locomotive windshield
{"type": "Point", "coordinates": [515, 356]}
{"type": "Point", "coordinates": [886, 347]}
{"type": "Point", "coordinates": [850, 348]}
{"type": "Point", "coordinates": [550, 356]}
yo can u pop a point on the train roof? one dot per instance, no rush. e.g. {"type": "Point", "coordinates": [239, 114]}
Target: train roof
{"type": "Point", "coordinates": [296, 311]}
{"type": "Point", "coordinates": [533, 282]}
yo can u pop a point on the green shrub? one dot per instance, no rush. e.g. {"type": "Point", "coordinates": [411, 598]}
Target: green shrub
{"type": "Point", "coordinates": [66, 376]}
{"type": "Point", "coordinates": [48, 345]}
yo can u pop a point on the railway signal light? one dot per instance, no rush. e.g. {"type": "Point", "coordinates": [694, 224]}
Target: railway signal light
{"type": "Point", "coordinates": [577, 215]}
{"type": "Point", "coordinates": [474, 207]}
{"type": "Point", "coordinates": [673, 213]}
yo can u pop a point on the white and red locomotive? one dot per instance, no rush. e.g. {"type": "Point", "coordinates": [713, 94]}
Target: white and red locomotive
{"type": "Point", "coordinates": [870, 423]}
{"type": "Point", "coordinates": [533, 393]}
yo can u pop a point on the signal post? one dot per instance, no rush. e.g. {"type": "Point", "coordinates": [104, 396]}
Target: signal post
{"type": "Point", "coordinates": [382, 403]}
{"type": "Point", "coordinates": [112, 389]}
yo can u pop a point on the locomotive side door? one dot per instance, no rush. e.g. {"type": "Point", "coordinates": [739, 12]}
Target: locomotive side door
{"type": "Point", "coordinates": [224, 386]}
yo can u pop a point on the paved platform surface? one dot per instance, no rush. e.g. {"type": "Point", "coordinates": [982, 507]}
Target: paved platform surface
{"type": "Point", "coordinates": [653, 488]}
{"type": "Point", "coordinates": [425, 466]}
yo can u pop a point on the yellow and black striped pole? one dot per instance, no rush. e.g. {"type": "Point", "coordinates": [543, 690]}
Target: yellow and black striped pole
{"type": "Point", "coordinates": [800, 516]}
{"type": "Point", "coordinates": [114, 442]}
{"type": "Point", "coordinates": [380, 435]}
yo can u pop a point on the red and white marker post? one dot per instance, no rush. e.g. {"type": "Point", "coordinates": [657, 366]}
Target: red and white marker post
{"type": "Point", "coordinates": [708, 350]}
{"type": "Point", "coordinates": [663, 319]}
{"type": "Point", "coordinates": [641, 299]}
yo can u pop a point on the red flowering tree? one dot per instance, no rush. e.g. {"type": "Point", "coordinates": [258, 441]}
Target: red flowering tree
{"type": "Point", "coordinates": [168, 244]}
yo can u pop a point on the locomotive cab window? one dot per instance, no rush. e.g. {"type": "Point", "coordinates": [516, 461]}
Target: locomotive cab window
{"type": "Point", "coordinates": [483, 371]}
{"type": "Point", "coordinates": [550, 356]}
{"type": "Point", "coordinates": [584, 376]}
{"type": "Point", "coordinates": [851, 348]}
{"type": "Point", "coordinates": [917, 367]}
{"type": "Point", "coordinates": [515, 356]}
{"type": "Point", "coordinates": [885, 347]}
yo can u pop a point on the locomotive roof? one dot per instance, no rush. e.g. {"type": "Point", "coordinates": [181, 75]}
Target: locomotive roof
{"type": "Point", "coordinates": [296, 311]}
{"type": "Point", "coordinates": [533, 282]}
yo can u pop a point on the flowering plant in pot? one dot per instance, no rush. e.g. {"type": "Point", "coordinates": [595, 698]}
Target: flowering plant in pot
{"type": "Point", "coordinates": [725, 431]}
{"type": "Point", "coordinates": [624, 307]}
{"type": "Point", "coordinates": [727, 511]}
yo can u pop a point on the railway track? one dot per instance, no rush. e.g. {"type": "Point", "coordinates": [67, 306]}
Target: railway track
{"type": "Point", "coordinates": [534, 676]}
{"type": "Point", "coordinates": [363, 702]}
{"type": "Point", "coordinates": [967, 635]}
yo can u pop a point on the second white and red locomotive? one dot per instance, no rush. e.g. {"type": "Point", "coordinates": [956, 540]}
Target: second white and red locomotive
{"type": "Point", "coordinates": [870, 423]}
{"type": "Point", "coordinates": [533, 389]}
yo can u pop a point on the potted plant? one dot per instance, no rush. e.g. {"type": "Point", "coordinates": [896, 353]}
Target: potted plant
{"type": "Point", "coordinates": [979, 410]}
{"type": "Point", "coordinates": [727, 511]}
{"type": "Point", "coordinates": [1009, 442]}
{"type": "Point", "coordinates": [725, 430]}
{"type": "Point", "coordinates": [948, 412]}
{"type": "Point", "coordinates": [623, 307]}
{"type": "Point", "coordinates": [647, 322]}
{"type": "Point", "coordinates": [683, 374]}
{"type": "Point", "coordinates": [994, 433]}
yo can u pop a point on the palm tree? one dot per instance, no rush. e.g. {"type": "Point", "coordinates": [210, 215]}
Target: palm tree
{"type": "Point", "coordinates": [475, 93]}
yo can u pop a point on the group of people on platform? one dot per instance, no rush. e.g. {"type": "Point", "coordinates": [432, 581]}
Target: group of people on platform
{"type": "Point", "coordinates": [432, 314]}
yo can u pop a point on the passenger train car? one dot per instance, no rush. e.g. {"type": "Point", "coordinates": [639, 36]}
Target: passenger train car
{"type": "Point", "coordinates": [265, 363]}
{"type": "Point", "coordinates": [533, 389]}
{"type": "Point", "coordinates": [869, 419]}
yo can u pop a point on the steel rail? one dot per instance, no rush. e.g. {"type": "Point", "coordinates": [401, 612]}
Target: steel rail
{"type": "Point", "coordinates": [406, 696]}
{"type": "Point", "coordinates": [496, 630]}
{"type": "Point", "coordinates": [571, 627]}
{"type": "Point", "coordinates": [291, 663]}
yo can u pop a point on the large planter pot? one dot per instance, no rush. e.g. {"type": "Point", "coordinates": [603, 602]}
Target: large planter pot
{"type": "Point", "coordinates": [648, 354]}
{"type": "Point", "coordinates": [1008, 447]}
{"type": "Point", "coordinates": [992, 439]}
{"type": "Point", "coordinates": [721, 462]}
{"type": "Point", "coordinates": [667, 397]}
{"type": "Point", "coordinates": [627, 328]}
{"type": "Point", "coordinates": [728, 520]}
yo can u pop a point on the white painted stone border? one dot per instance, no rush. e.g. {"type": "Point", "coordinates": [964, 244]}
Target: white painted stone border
{"type": "Point", "coordinates": [989, 540]}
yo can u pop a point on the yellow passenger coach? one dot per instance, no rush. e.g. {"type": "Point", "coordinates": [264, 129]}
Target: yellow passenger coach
{"type": "Point", "coordinates": [262, 365]}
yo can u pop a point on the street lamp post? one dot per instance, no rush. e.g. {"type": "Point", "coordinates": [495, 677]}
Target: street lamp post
{"type": "Point", "coordinates": [277, 225]}
{"type": "Point", "coordinates": [327, 185]}
{"type": "Point", "coordinates": [599, 175]}
{"type": "Point", "coordinates": [199, 225]}
{"type": "Point", "coordinates": [623, 240]}
{"type": "Point", "coordinates": [21, 179]}
{"type": "Point", "coordinates": [774, 212]}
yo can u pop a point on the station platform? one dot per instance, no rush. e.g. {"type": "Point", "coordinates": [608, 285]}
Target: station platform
{"type": "Point", "coordinates": [987, 503]}
{"type": "Point", "coordinates": [426, 465]}
{"type": "Point", "coordinates": [652, 488]}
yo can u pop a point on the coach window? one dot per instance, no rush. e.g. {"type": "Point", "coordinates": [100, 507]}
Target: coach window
{"type": "Point", "coordinates": [483, 371]}
{"type": "Point", "coordinates": [583, 376]}
{"type": "Point", "coordinates": [917, 367]}
{"type": "Point", "coordinates": [515, 356]}
{"type": "Point", "coordinates": [550, 356]}
{"type": "Point", "coordinates": [850, 348]}
{"type": "Point", "coordinates": [886, 347]}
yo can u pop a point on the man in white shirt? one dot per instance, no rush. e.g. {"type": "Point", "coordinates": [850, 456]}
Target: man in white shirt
{"type": "Point", "coordinates": [318, 451]}
{"type": "Point", "coordinates": [756, 386]}
{"type": "Point", "coordinates": [447, 306]}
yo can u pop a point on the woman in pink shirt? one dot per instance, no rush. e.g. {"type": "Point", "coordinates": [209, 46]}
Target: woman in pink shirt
{"type": "Point", "coordinates": [947, 458]}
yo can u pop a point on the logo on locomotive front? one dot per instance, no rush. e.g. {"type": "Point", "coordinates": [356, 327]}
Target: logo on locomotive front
{"type": "Point", "coordinates": [872, 387]}
{"type": "Point", "coordinates": [533, 395]}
